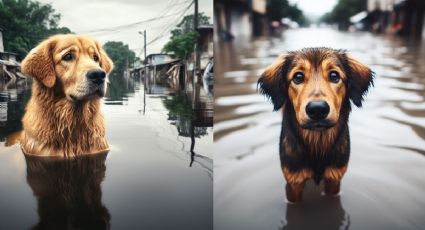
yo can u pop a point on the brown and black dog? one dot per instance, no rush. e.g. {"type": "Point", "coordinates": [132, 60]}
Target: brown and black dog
{"type": "Point", "coordinates": [314, 86]}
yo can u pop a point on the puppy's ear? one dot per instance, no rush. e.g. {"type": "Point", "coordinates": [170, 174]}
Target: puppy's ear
{"type": "Point", "coordinates": [39, 63]}
{"type": "Point", "coordinates": [359, 81]}
{"type": "Point", "coordinates": [272, 82]}
{"type": "Point", "coordinates": [105, 62]}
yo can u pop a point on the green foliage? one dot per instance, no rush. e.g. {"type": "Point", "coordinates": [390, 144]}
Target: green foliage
{"type": "Point", "coordinates": [25, 23]}
{"type": "Point", "coordinates": [120, 54]}
{"type": "Point", "coordinates": [342, 12]}
{"type": "Point", "coordinates": [186, 25]}
{"type": "Point", "coordinates": [181, 45]}
{"type": "Point", "coordinates": [184, 37]}
{"type": "Point", "coordinates": [278, 9]}
{"type": "Point", "coordinates": [179, 106]}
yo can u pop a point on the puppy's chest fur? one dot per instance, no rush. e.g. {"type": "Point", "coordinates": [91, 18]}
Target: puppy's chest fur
{"type": "Point", "coordinates": [313, 150]}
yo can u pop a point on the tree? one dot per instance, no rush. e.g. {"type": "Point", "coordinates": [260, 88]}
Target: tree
{"type": "Point", "coordinates": [25, 23]}
{"type": "Point", "coordinates": [184, 37]}
{"type": "Point", "coordinates": [342, 12]}
{"type": "Point", "coordinates": [181, 45]}
{"type": "Point", "coordinates": [120, 55]}
{"type": "Point", "coordinates": [186, 25]}
{"type": "Point", "coordinates": [278, 9]}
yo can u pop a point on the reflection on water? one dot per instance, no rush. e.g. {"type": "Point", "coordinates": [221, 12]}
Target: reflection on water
{"type": "Point", "coordinates": [383, 187]}
{"type": "Point", "coordinates": [68, 192]}
{"type": "Point", "coordinates": [316, 212]}
{"type": "Point", "coordinates": [159, 166]}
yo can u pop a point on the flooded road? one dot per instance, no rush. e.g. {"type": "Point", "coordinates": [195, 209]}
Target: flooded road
{"type": "Point", "coordinates": [384, 186]}
{"type": "Point", "coordinates": [157, 175]}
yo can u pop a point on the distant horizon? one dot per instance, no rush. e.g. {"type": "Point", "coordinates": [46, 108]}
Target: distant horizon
{"type": "Point", "coordinates": [314, 9]}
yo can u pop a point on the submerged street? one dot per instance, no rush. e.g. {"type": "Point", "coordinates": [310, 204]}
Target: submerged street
{"type": "Point", "coordinates": [157, 174]}
{"type": "Point", "coordinates": [383, 187]}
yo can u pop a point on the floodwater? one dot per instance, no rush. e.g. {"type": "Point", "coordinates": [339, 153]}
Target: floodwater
{"type": "Point", "coordinates": [384, 186]}
{"type": "Point", "coordinates": [157, 175]}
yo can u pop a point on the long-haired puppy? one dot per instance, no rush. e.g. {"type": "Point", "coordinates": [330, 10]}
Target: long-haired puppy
{"type": "Point", "coordinates": [315, 86]}
{"type": "Point", "coordinates": [63, 116]}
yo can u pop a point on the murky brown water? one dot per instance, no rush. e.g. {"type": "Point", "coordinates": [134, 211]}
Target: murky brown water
{"type": "Point", "coordinates": [157, 174]}
{"type": "Point", "coordinates": [384, 187]}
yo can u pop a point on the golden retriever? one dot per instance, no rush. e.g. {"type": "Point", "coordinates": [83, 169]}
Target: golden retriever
{"type": "Point", "coordinates": [62, 117]}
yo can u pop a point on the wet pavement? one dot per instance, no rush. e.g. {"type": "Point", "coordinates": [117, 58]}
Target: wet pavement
{"type": "Point", "coordinates": [383, 187]}
{"type": "Point", "coordinates": [157, 175]}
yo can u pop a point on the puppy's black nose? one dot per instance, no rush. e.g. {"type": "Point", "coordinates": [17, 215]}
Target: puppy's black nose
{"type": "Point", "coordinates": [96, 76]}
{"type": "Point", "coordinates": [317, 110]}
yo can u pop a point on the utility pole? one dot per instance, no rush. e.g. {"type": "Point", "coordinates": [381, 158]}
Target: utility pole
{"type": "Point", "coordinates": [146, 69]}
{"type": "Point", "coordinates": [144, 35]}
{"type": "Point", "coordinates": [195, 21]}
{"type": "Point", "coordinates": [196, 24]}
{"type": "Point", "coordinates": [196, 61]}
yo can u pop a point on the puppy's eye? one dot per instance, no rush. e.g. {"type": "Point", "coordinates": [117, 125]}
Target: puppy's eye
{"type": "Point", "coordinates": [334, 77]}
{"type": "Point", "coordinates": [68, 57]}
{"type": "Point", "coordinates": [298, 78]}
{"type": "Point", "coordinates": [96, 58]}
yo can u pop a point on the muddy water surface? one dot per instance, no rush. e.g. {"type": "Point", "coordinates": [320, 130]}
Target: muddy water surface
{"type": "Point", "coordinates": [157, 175]}
{"type": "Point", "coordinates": [384, 186]}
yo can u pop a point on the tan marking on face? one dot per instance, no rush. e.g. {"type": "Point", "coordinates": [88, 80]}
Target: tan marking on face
{"type": "Point", "coordinates": [316, 87]}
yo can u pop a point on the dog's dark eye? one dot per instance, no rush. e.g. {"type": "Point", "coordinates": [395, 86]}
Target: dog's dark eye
{"type": "Point", "coordinates": [68, 57]}
{"type": "Point", "coordinates": [96, 58]}
{"type": "Point", "coordinates": [334, 77]}
{"type": "Point", "coordinates": [298, 78]}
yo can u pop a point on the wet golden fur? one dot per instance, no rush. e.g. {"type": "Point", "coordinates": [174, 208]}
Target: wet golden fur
{"type": "Point", "coordinates": [62, 117]}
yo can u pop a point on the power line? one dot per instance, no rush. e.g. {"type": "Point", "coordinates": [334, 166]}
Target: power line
{"type": "Point", "coordinates": [166, 30]}
{"type": "Point", "coordinates": [131, 25]}
{"type": "Point", "coordinates": [161, 34]}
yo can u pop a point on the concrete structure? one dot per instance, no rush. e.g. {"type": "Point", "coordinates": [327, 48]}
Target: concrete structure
{"type": "Point", "coordinates": [1, 41]}
{"type": "Point", "coordinates": [9, 67]}
{"type": "Point", "coordinates": [240, 18]}
{"type": "Point", "coordinates": [408, 18]}
{"type": "Point", "coordinates": [401, 17]}
{"type": "Point", "coordinates": [205, 45]}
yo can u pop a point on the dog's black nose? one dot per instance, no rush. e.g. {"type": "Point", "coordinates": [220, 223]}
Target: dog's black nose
{"type": "Point", "coordinates": [317, 110]}
{"type": "Point", "coordinates": [96, 76]}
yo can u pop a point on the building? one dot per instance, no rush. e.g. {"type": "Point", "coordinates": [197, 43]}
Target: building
{"type": "Point", "coordinates": [9, 67]}
{"type": "Point", "coordinates": [408, 18]}
{"type": "Point", "coordinates": [240, 18]}
{"type": "Point", "coordinates": [205, 45]}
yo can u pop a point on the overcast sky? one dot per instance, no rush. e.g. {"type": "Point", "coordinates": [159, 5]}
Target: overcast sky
{"type": "Point", "coordinates": [86, 16]}
{"type": "Point", "coordinates": [315, 7]}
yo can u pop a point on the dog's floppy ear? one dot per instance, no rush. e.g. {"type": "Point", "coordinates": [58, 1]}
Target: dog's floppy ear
{"type": "Point", "coordinates": [360, 79]}
{"type": "Point", "coordinates": [105, 62]}
{"type": "Point", "coordinates": [272, 82]}
{"type": "Point", "coordinates": [39, 63]}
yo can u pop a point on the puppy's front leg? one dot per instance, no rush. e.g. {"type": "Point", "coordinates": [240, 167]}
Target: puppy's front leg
{"type": "Point", "coordinates": [295, 181]}
{"type": "Point", "coordinates": [294, 192]}
{"type": "Point", "coordinates": [333, 176]}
